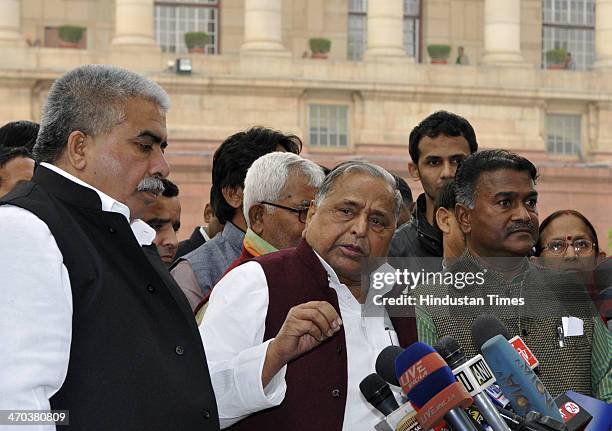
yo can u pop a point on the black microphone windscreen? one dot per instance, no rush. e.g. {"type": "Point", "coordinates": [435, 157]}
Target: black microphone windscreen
{"type": "Point", "coordinates": [446, 346]}
{"type": "Point", "coordinates": [378, 393]}
{"type": "Point", "coordinates": [485, 327]}
{"type": "Point", "coordinates": [385, 364]}
{"type": "Point", "coordinates": [450, 350]}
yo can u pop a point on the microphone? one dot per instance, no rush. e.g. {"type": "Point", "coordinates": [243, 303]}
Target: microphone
{"type": "Point", "coordinates": [532, 422]}
{"type": "Point", "coordinates": [432, 388]}
{"type": "Point", "coordinates": [516, 380]}
{"type": "Point", "coordinates": [377, 392]}
{"type": "Point", "coordinates": [385, 364]}
{"type": "Point", "coordinates": [490, 326]}
{"type": "Point", "coordinates": [599, 410]}
{"type": "Point", "coordinates": [402, 419]}
{"type": "Point", "coordinates": [575, 416]}
{"type": "Point", "coordinates": [475, 375]}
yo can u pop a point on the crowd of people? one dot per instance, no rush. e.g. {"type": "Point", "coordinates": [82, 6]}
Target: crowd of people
{"type": "Point", "coordinates": [259, 320]}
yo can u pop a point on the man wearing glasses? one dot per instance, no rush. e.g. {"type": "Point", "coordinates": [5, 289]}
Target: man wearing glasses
{"type": "Point", "coordinates": [198, 271]}
{"type": "Point", "coordinates": [284, 333]}
{"type": "Point", "coordinates": [278, 190]}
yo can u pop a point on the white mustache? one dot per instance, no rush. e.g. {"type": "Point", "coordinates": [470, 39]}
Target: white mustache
{"type": "Point", "coordinates": [151, 184]}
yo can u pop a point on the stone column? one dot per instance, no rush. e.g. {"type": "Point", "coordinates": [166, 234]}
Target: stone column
{"type": "Point", "coordinates": [502, 32]}
{"type": "Point", "coordinates": [603, 34]}
{"type": "Point", "coordinates": [263, 27]}
{"type": "Point", "coordinates": [385, 29]}
{"type": "Point", "coordinates": [134, 23]}
{"type": "Point", "coordinates": [10, 22]}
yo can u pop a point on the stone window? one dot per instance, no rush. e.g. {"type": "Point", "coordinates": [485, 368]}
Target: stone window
{"type": "Point", "coordinates": [570, 24]}
{"type": "Point", "coordinates": [412, 31]}
{"type": "Point", "coordinates": [563, 134]}
{"type": "Point", "coordinates": [328, 126]}
{"type": "Point", "coordinates": [174, 18]}
{"type": "Point", "coordinates": [358, 28]}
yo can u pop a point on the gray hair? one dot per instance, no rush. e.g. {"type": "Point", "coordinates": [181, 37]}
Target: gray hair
{"type": "Point", "coordinates": [91, 99]}
{"type": "Point", "coordinates": [361, 167]}
{"type": "Point", "coordinates": [268, 175]}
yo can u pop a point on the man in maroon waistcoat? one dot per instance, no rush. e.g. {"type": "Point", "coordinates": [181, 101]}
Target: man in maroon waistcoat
{"type": "Point", "coordinates": [286, 340]}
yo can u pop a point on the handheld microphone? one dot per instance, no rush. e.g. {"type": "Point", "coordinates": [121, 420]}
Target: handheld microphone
{"type": "Point", "coordinates": [432, 388]}
{"type": "Point", "coordinates": [385, 364]}
{"type": "Point", "coordinates": [516, 380]}
{"type": "Point", "coordinates": [525, 352]}
{"type": "Point", "coordinates": [532, 422]}
{"type": "Point", "coordinates": [475, 375]}
{"type": "Point", "coordinates": [402, 419]}
{"type": "Point", "coordinates": [574, 415]}
{"type": "Point", "coordinates": [490, 326]}
{"type": "Point", "coordinates": [599, 410]}
{"type": "Point", "coordinates": [377, 392]}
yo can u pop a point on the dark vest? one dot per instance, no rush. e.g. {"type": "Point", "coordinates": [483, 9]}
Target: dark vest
{"type": "Point", "coordinates": [316, 381]}
{"type": "Point", "coordinates": [136, 356]}
{"type": "Point", "coordinates": [548, 297]}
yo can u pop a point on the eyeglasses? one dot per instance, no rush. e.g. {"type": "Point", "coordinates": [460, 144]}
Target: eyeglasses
{"type": "Point", "coordinates": [581, 246]}
{"type": "Point", "coordinates": [301, 212]}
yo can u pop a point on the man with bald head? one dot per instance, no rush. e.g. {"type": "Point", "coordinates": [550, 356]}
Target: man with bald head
{"type": "Point", "coordinates": [285, 330]}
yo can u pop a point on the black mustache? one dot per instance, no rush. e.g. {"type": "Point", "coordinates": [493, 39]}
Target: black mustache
{"type": "Point", "coordinates": [519, 227]}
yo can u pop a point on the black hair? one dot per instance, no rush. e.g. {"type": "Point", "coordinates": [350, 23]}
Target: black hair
{"type": "Point", "coordinates": [236, 155]}
{"type": "Point", "coordinates": [170, 189]}
{"type": "Point", "coordinates": [7, 154]}
{"type": "Point", "coordinates": [326, 170]}
{"type": "Point", "coordinates": [475, 164]}
{"type": "Point", "coordinates": [441, 123]}
{"type": "Point", "coordinates": [446, 197]}
{"type": "Point", "coordinates": [404, 190]}
{"type": "Point", "coordinates": [539, 247]}
{"type": "Point", "coordinates": [19, 134]}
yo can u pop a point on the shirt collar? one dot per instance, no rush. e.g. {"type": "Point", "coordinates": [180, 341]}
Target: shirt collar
{"type": "Point", "coordinates": [233, 235]}
{"type": "Point", "coordinates": [204, 233]}
{"type": "Point", "coordinates": [144, 233]}
{"type": "Point", "coordinates": [331, 274]}
{"type": "Point", "coordinates": [108, 204]}
{"type": "Point", "coordinates": [333, 277]}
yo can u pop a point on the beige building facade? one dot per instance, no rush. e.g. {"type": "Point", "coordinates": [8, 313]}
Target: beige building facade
{"type": "Point", "coordinates": [362, 101]}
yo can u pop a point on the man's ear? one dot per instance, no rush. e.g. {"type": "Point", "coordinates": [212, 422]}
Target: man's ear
{"type": "Point", "coordinates": [442, 220]}
{"type": "Point", "coordinates": [233, 196]}
{"type": "Point", "coordinates": [462, 214]}
{"type": "Point", "coordinates": [256, 213]}
{"type": "Point", "coordinates": [312, 209]}
{"type": "Point", "coordinates": [413, 169]}
{"type": "Point", "coordinates": [76, 150]}
{"type": "Point", "coordinates": [208, 212]}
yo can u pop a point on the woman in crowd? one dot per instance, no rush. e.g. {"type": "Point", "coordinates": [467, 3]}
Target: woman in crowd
{"type": "Point", "coordinates": [568, 242]}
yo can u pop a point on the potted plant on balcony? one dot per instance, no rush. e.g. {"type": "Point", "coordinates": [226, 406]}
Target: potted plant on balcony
{"type": "Point", "coordinates": [320, 47]}
{"type": "Point", "coordinates": [439, 53]}
{"type": "Point", "coordinates": [196, 41]}
{"type": "Point", "coordinates": [70, 35]}
{"type": "Point", "coordinates": [555, 58]}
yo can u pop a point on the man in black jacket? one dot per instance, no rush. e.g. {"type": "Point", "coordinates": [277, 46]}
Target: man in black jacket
{"type": "Point", "coordinates": [96, 326]}
{"type": "Point", "coordinates": [437, 146]}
